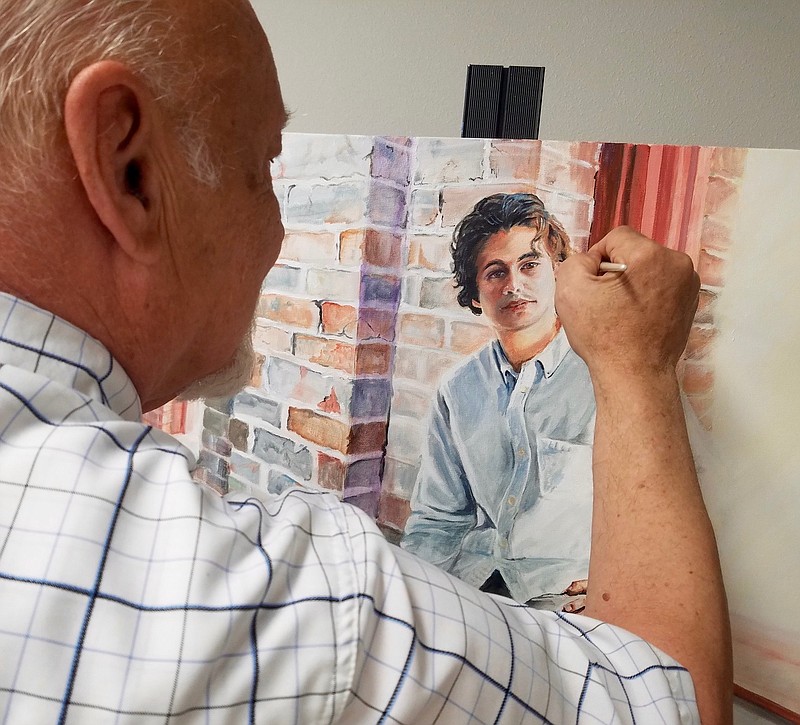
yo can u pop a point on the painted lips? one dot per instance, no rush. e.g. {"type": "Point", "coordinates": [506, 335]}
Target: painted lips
{"type": "Point", "coordinates": [516, 305]}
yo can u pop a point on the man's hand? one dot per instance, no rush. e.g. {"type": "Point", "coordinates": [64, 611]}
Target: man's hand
{"type": "Point", "coordinates": [628, 322]}
{"type": "Point", "coordinates": [631, 328]}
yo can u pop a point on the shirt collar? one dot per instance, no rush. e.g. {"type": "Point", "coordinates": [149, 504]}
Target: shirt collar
{"type": "Point", "coordinates": [36, 340]}
{"type": "Point", "coordinates": [549, 359]}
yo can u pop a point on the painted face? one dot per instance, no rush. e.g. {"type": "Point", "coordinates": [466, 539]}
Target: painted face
{"type": "Point", "coordinates": [516, 282]}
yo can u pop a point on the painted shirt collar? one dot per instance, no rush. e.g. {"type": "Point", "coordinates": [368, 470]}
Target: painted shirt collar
{"type": "Point", "coordinates": [548, 359]}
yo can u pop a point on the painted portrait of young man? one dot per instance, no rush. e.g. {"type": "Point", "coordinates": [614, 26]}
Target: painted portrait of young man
{"type": "Point", "coordinates": [504, 494]}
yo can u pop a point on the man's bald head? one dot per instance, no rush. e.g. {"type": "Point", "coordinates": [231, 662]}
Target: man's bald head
{"type": "Point", "coordinates": [45, 43]}
{"type": "Point", "coordinates": [136, 138]}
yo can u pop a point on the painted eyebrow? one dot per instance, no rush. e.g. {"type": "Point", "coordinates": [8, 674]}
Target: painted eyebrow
{"type": "Point", "coordinates": [533, 254]}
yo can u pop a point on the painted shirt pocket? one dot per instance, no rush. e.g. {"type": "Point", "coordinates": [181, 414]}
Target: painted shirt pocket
{"type": "Point", "coordinates": [564, 468]}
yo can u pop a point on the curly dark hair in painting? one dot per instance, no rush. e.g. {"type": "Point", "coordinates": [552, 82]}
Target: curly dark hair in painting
{"type": "Point", "coordinates": [496, 213]}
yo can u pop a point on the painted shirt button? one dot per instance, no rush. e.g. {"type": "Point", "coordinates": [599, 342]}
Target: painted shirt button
{"type": "Point", "coordinates": [512, 500]}
{"type": "Point", "coordinates": [522, 453]}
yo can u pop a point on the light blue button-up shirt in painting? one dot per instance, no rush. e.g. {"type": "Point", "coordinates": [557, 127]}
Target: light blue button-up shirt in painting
{"type": "Point", "coordinates": [506, 478]}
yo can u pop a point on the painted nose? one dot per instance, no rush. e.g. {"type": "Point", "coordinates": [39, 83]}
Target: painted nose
{"type": "Point", "coordinates": [512, 283]}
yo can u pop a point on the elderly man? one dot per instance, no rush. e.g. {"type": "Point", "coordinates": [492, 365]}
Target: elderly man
{"type": "Point", "coordinates": [135, 141]}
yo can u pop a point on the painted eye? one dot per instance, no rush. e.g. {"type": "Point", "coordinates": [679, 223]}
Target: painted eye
{"type": "Point", "coordinates": [530, 265]}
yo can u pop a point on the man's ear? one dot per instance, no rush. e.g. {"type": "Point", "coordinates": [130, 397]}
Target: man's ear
{"type": "Point", "coordinates": [109, 117]}
{"type": "Point", "coordinates": [477, 304]}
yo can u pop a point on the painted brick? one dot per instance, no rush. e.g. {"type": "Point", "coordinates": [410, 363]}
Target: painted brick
{"type": "Point", "coordinates": [330, 472]}
{"type": "Point", "coordinates": [373, 359]}
{"type": "Point", "coordinates": [380, 289]}
{"type": "Point", "coordinates": [574, 214]}
{"type": "Point", "coordinates": [411, 289]}
{"type": "Point", "coordinates": [328, 353]}
{"type": "Point", "coordinates": [339, 319]}
{"type": "Point", "coordinates": [367, 501]}
{"type": "Point", "coordinates": [729, 162]}
{"type": "Point", "coordinates": [333, 284]}
{"type": "Point", "coordinates": [430, 252]}
{"type": "Point", "coordinates": [436, 364]}
{"type": "Point", "coordinates": [458, 201]}
{"type": "Point", "coordinates": [585, 151]}
{"type": "Point", "coordinates": [268, 338]}
{"type": "Point", "coordinates": [376, 324]}
{"type": "Point", "coordinates": [215, 422]}
{"type": "Point", "coordinates": [697, 379]}
{"type": "Point", "coordinates": [467, 337]}
{"type": "Point", "coordinates": [387, 205]}
{"type": "Point", "coordinates": [320, 429]}
{"type": "Point", "coordinates": [330, 404]}
{"type": "Point", "coordinates": [391, 162]}
{"type": "Point", "coordinates": [422, 330]}
{"type": "Point", "coordinates": [289, 310]}
{"type": "Point", "coordinates": [279, 451]}
{"type": "Point", "coordinates": [423, 366]}
{"type": "Point", "coordinates": [365, 473]}
{"type": "Point", "coordinates": [221, 405]}
{"type": "Point", "coordinates": [290, 380]}
{"type": "Point", "coordinates": [258, 406]}
{"type": "Point", "coordinates": [283, 279]}
{"type": "Point", "coordinates": [218, 445]}
{"type": "Point", "coordinates": [393, 511]}
{"type": "Point", "coordinates": [405, 439]}
{"type": "Point", "coordinates": [216, 483]}
{"type": "Point", "coordinates": [410, 402]}
{"type": "Point", "coordinates": [561, 172]}
{"type": "Point", "coordinates": [515, 159]}
{"type": "Point", "coordinates": [351, 243]}
{"type": "Point", "coordinates": [214, 464]}
{"type": "Point", "coordinates": [705, 307]}
{"type": "Point", "coordinates": [367, 438]}
{"type": "Point", "coordinates": [324, 156]}
{"type": "Point", "coordinates": [238, 485]}
{"type": "Point", "coordinates": [711, 269]}
{"type": "Point", "coordinates": [239, 434]}
{"type": "Point", "coordinates": [278, 482]}
{"type": "Point", "coordinates": [326, 204]}
{"type": "Point", "coordinates": [245, 468]}
{"type": "Point", "coordinates": [383, 249]}
{"type": "Point", "coordinates": [721, 197]}
{"type": "Point", "coordinates": [438, 292]}
{"type": "Point", "coordinates": [424, 207]}
{"type": "Point", "coordinates": [449, 160]}
{"type": "Point", "coordinates": [399, 478]}
{"type": "Point", "coordinates": [715, 235]}
{"type": "Point", "coordinates": [310, 247]}
{"type": "Point", "coordinates": [700, 341]}
{"type": "Point", "coordinates": [371, 397]}
{"type": "Point", "coordinates": [257, 376]}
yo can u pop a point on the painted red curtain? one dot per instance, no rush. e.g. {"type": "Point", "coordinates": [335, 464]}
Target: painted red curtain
{"type": "Point", "coordinates": [658, 190]}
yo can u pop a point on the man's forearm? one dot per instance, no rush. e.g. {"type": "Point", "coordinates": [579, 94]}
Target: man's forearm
{"type": "Point", "coordinates": [654, 566]}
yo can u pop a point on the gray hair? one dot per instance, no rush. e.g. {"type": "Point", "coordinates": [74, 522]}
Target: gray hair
{"type": "Point", "coordinates": [44, 44]}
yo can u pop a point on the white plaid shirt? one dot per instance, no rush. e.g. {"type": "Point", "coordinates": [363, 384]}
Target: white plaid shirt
{"type": "Point", "coordinates": [131, 594]}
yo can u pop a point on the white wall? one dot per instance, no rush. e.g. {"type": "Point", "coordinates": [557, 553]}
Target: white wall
{"type": "Point", "coordinates": [689, 72]}
{"type": "Point", "coordinates": [709, 72]}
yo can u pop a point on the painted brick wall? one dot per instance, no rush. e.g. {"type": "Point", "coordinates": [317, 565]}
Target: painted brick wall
{"type": "Point", "coordinates": [725, 173]}
{"type": "Point", "coordinates": [358, 321]}
{"type": "Point", "coordinates": [317, 410]}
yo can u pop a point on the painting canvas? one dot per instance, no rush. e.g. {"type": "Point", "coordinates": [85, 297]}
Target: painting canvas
{"type": "Point", "coordinates": [372, 370]}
